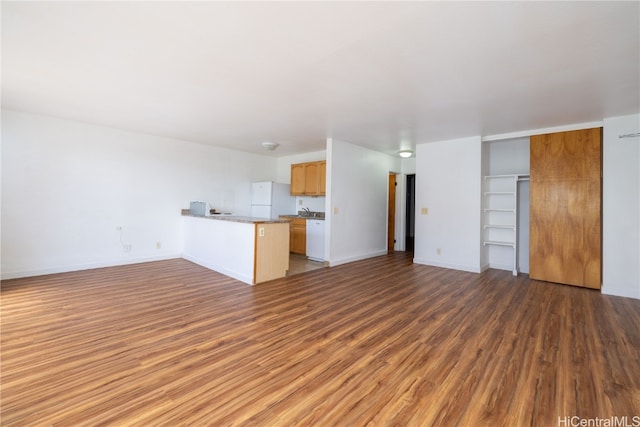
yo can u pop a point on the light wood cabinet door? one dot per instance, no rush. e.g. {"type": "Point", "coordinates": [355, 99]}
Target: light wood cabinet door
{"type": "Point", "coordinates": [298, 238]}
{"type": "Point", "coordinates": [297, 179]}
{"type": "Point", "coordinates": [311, 178]}
{"type": "Point", "coordinates": [271, 251]}
{"type": "Point", "coordinates": [565, 243]}
{"type": "Point", "coordinates": [322, 178]}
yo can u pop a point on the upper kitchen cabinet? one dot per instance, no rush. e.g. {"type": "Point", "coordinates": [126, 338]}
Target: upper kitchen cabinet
{"type": "Point", "coordinates": [308, 179]}
{"type": "Point", "coordinates": [297, 179]}
{"type": "Point", "coordinates": [322, 177]}
{"type": "Point", "coordinates": [311, 179]}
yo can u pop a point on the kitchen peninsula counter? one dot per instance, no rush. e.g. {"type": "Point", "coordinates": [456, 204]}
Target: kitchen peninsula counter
{"type": "Point", "coordinates": [289, 217]}
{"type": "Point", "coordinates": [233, 218]}
{"type": "Point", "coordinates": [252, 250]}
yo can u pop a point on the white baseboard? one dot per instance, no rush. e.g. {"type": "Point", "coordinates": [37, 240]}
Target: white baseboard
{"type": "Point", "coordinates": [340, 261]}
{"type": "Point", "coordinates": [506, 267]}
{"type": "Point", "coordinates": [220, 269]}
{"type": "Point", "coordinates": [447, 265]}
{"type": "Point", "coordinates": [77, 267]}
{"type": "Point", "coordinates": [629, 292]}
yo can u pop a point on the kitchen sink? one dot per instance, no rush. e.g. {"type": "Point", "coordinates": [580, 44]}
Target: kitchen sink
{"type": "Point", "coordinates": [313, 215]}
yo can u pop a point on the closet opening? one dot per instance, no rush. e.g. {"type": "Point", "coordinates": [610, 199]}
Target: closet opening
{"type": "Point", "coordinates": [410, 210]}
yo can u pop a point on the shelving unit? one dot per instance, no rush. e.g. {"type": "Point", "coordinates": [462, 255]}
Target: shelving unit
{"type": "Point", "coordinates": [500, 212]}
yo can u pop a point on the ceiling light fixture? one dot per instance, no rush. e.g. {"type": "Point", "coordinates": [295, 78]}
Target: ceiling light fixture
{"type": "Point", "coordinates": [269, 146]}
{"type": "Point", "coordinates": [405, 154]}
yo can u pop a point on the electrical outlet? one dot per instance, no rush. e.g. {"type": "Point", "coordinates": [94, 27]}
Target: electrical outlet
{"type": "Point", "coordinates": [158, 245]}
{"type": "Point", "coordinates": [261, 233]}
{"type": "Point", "coordinates": [438, 251]}
{"type": "Point", "coordinates": [335, 211]}
{"type": "Point", "coordinates": [126, 247]}
{"type": "Point", "coordinates": [424, 211]}
{"type": "Point", "coordinates": [300, 202]}
{"type": "Point", "coordinates": [118, 227]}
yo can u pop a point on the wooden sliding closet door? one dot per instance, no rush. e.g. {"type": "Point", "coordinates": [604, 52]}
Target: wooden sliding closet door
{"type": "Point", "coordinates": [565, 243]}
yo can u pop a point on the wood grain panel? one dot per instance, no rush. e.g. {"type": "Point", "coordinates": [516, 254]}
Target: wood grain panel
{"type": "Point", "coordinates": [272, 251]}
{"type": "Point", "coordinates": [298, 240]}
{"type": "Point", "coordinates": [565, 208]}
{"type": "Point", "coordinates": [311, 175]}
{"type": "Point", "coordinates": [322, 177]}
{"type": "Point", "coordinates": [297, 179]}
{"type": "Point", "coordinates": [375, 342]}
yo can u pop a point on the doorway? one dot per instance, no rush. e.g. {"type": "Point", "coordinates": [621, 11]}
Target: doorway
{"type": "Point", "coordinates": [410, 219]}
{"type": "Point", "coordinates": [391, 214]}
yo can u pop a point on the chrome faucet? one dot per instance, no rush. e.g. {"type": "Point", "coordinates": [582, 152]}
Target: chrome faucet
{"type": "Point", "coordinates": [307, 211]}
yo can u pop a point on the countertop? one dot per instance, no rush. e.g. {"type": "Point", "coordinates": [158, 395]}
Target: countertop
{"type": "Point", "coordinates": [302, 217]}
{"type": "Point", "coordinates": [243, 219]}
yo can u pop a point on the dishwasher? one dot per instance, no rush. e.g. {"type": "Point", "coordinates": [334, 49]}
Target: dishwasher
{"type": "Point", "coordinates": [315, 239]}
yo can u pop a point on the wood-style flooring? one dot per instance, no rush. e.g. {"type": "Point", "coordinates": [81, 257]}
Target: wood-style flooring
{"type": "Point", "coordinates": [301, 264]}
{"type": "Point", "coordinates": [375, 342]}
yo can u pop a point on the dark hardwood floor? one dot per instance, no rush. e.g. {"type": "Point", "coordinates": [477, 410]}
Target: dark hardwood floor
{"type": "Point", "coordinates": [375, 342]}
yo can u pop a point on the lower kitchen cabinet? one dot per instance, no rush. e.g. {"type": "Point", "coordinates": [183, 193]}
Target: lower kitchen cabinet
{"type": "Point", "coordinates": [259, 253]}
{"type": "Point", "coordinates": [297, 235]}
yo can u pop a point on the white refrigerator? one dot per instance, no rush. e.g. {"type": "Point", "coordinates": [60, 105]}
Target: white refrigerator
{"type": "Point", "coordinates": [270, 199]}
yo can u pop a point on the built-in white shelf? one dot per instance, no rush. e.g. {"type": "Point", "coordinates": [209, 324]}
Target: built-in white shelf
{"type": "Point", "coordinates": [496, 243]}
{"type": "Point", "coordinates": [499, 193]}
{"type": "Point", "coordinates": [500, 207]}
{"type": "Point", "coordinates": [498, 176]}
{"type": "Point", "coordinates": [519, 177]}
{"type": "Point", "coordinates": [499, 210]}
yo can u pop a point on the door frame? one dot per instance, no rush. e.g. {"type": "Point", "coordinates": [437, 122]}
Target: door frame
{"type": "Point", "coordinates": [391, 213]}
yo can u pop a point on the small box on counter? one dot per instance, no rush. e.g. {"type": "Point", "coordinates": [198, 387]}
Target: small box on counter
{"type": "Point", "coordinates": [199, 208]}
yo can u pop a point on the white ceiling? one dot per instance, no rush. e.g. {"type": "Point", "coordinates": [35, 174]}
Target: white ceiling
{"type": "Point", "coordinates": [377, 74]}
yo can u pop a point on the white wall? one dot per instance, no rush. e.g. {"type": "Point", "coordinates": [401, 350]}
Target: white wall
{"type": "Point", "coordinates": [621, 207]}
{"type": "Point", "coordinates": [448, 184]}
{"type": "Point", "coordinates": [408, 166]}
{"type": "Point", "coordinates": [314, 204]}
{"type": "Point", "coordinates": [67, 185]}
{"type": "Point", "coordinates": [508, 157]}
{"type": "Point", "coordinates": [357, 199]}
